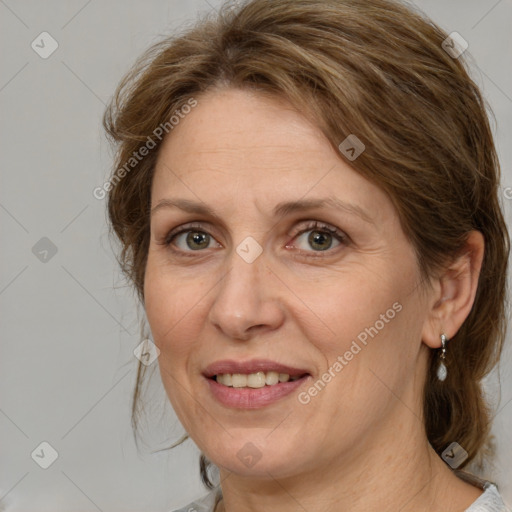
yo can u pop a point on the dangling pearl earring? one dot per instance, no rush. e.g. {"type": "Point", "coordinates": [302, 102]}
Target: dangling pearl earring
{"type": "Point", "coordinates": [442, 372]}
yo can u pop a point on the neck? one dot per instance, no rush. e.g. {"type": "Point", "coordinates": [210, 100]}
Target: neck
{"type": "Point", "coordinates": [394, 468]}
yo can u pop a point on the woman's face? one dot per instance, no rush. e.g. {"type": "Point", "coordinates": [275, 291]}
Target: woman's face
{"type": "Point", "coordinates": [287, 262]}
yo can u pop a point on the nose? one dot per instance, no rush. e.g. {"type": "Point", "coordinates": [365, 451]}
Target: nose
{"type": "Point", "coordinates": [247, 300]}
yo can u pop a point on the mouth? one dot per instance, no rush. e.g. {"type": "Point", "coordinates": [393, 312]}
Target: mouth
{"type": "Point", "coordinates": [255, 380]}
{"type": "Point", "coordinates": [254, 373]}
{"type": "Point", "coordinates": [253, 384]}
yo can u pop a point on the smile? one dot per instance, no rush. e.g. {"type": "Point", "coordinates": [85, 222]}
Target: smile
{"type": "Point", "coordinates": [253, 380]}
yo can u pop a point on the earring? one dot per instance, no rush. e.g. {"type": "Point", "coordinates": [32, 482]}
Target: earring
{"type": "Point", "coordinates": [441, 369]}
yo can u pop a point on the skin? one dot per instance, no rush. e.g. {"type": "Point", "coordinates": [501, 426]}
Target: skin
{"type": "Point", "coordinates": [359, 444]}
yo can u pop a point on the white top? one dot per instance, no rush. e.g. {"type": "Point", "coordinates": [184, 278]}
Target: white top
{"type": "Point", "coordinates": [489, 501]}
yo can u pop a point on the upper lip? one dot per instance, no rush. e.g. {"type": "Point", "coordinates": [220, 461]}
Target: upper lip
{"type": "Point", "coordinates": [252, 366]}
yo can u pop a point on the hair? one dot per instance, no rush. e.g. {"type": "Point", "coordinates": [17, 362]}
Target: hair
{"type": "Point", "coordinates": [376, 69]}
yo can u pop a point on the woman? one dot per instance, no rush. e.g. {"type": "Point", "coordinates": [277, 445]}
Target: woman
{"type": "Point", "coordinates": [306, 196]}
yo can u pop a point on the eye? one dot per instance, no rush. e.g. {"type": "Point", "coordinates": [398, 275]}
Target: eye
{"type": "Point", "coordinates": [193, 238]}
{"type": "Point", "coordinates": [321, 237]}
{"type": "Point", "coordinates": [189, 239]}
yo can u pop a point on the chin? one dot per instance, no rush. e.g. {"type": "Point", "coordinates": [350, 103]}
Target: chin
{"type": "Point", "coordinates": [253, 453]}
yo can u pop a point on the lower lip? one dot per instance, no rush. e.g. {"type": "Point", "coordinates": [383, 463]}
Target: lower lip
{"type": "Point", "coordinates": [253, 398]}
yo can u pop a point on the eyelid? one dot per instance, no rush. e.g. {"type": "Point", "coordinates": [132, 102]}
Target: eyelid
{"type": "Point", "coordinates": [199, 226]}
{"type": "Point", "coordinates": [318, 225]}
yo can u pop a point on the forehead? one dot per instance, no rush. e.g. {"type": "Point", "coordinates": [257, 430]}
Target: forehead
{"type": "Point", "coordinates": [239, 147]}
{"type": "Point", "coordinates": [230, 122]}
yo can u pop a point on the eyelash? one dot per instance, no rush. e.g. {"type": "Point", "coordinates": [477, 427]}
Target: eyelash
{"type": "Point", "coordinates": [311, 226]}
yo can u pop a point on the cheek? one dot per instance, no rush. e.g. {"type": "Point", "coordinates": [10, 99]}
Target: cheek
{"type": "Point", "coordinates": [366, 330]}
{"type": "Point", "coordinates": [349, 307]}
{"type": "Point", "coordinates": [172, 308]}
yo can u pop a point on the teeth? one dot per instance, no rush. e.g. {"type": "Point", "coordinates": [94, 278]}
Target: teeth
{"type": "Point", "coordinates": [253, 380]}
{"type": "Point", "coordinates": [225, 379]}
{"type": "Point", "coordinates": [271, 378]}
{"type": "Point", "coordinates": [256, 380]}
{"type": "Point", "coordinates": [238, 380]}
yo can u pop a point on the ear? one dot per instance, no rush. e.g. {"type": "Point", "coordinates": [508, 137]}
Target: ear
{"type": "Point", "coordinates": [453, 293]}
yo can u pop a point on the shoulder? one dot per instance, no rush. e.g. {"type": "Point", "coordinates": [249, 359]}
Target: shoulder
{"type": "Point", "coordinates": [489, 501]}
{"type": "Point", "coordinates": [206, 503]}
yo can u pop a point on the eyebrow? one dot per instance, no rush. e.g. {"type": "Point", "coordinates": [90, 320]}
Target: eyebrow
{"type": "Point", "coordinates": [280, 210]}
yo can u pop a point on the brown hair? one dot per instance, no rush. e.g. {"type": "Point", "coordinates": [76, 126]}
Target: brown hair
{"type": "Point", "coordinates": [376, 69]}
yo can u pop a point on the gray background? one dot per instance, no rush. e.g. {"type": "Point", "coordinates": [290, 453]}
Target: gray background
{"type": "Point", "coordinates": [69, 324]}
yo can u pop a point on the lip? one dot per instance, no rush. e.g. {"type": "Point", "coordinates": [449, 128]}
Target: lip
{"type": "Point", "coordinates": [249, 398]}
{"type": "Point", "coordinates": [252, 398]}
{"type": "Point", "coordinates": [251, 366]}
